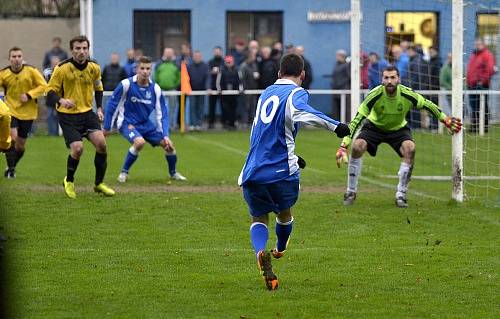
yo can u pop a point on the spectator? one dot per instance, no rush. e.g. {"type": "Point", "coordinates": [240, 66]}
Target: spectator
{"type": "Point", "coordinates": [253, 46]}
{"type": "Point", "coordinates": [375, 69]}
{"type": "Point", "coordinates": [52, 124]}
{"type": "Point", "coordinates": [278, 46]}
{"type": "Point", "coordinates": [199, 78]}
{"type": "Point", "coordinates": [228, 79]}
{"type": "Point", "coordinates": [418, 79]}
{"type": "Point", "coordinates": [445, 81]}
{"type": "Point", "coordinates": [238, 52]}
{"type": "Point", "coordinates": [289, 48]}
{"type": "Point", "coordinates": [306, 83]}
{"type": "Point", "coordinates": [480, 69]}
{"type": "Point", "coordinates": [56, 50]}
{"type": "Point", "coordinates": [249, 75]}
{"type": "Point", "coordinates": [364, 64]}
{"type": "Point", "coordinates": [434, 68]}
{"type": "Point", "coordinates": [268, 69]}
{"type": "Point", "coordinates": [215, 65]}
{"type": "Point", "coordinates": [401, 61]}
{"type": "Point", "coordinates": [341, 80]}
{"type": "Point", "coordinates": [185, 55]}
{"type": "Point", "coordinates": [130, 64]}
{"type": "Point", "coordinates": [168, 77]}
{"type": "Point", "coordinates": [113, 73]}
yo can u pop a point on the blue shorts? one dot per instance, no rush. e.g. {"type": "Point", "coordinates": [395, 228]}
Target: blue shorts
{"type": "Point", "coordinates": [274, 197]}
{"type": "Point", "coordinates": [152, 136]}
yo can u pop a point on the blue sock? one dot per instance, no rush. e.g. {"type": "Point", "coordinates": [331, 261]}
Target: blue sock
{"type": "Point", "coordinates": [259, 236]}
{"type": "Point", "coordinates": [283, 231]}
{"type": "Point", "coordinates": [171, 160]}
{"type": "Point", "coordinates": [129, 159]}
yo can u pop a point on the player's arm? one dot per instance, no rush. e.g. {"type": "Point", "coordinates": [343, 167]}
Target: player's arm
{"type": "Point", "coordinates": [98, 91]}
{"type": "Point", "coordinates": [302, 112]}
{"type": "Point", "coordinates": [40, 86]}
{"type": "Point", "coordinates": [112, 106]}
{"type": "Point", "coordinates": [54, 88]}
{"type": "Point", "coordinates": [453, 124]}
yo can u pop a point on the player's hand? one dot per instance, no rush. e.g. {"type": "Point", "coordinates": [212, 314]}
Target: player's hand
{"type": "Point", "coordinates": [100, 114]}
{"type": "Point", "coordinates": [301, 162]}
{"type": "Point", "coordinates": [453, 124]}
{"type": "Point", "coordinates": [168, 145]}
{"type": "Point", "coordinates": [24, 98]}
{"type": "Point", "coordinates": [342, 130]}
{"type": "Point", "coordinates": [342, 155]}
{"type": "Point", "coordinates": [66, 103]}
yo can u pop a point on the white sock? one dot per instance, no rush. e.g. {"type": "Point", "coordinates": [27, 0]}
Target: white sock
{"type": "Point", "coordinates": [132, 150]}
{"type": "Point", "coordinates": [404, 178]}
{"type": "Point", "coordinates": [354, 170]}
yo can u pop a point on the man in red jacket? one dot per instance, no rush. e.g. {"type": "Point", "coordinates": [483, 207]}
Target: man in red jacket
{"type": "Point", "coordinates": [480, 69]}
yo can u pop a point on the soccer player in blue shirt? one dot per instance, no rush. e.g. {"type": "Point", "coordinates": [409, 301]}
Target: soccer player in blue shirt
{"type": "Point", "coordinates": [270, 176]}
{"type": "Point", "coordinates": [130, 107]}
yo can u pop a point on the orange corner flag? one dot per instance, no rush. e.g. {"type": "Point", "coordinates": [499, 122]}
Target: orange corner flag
{"type": "Point", "coordinates": [185, 80]}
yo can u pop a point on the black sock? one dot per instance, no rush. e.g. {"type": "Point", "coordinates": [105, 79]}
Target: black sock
{"type": "Point", "coordinates": [19, 154]}
{"type": "Point", "coordinates": [11, 156]}
{"type": "Point", "coordinates": [100, 167]}
{"type": "Point", "coordinates": [72, 165]}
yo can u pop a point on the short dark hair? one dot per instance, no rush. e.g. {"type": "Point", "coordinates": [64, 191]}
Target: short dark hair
{"type": "Point", "coordinates": [145, 59]}
{"type": "Point", "coordinates": [14, 49]}
{"type": "Point", "coordinates": [291, 65]}
{"type": "Point", "coordinates": [391, 68]}
{"type": "Point", "coordinates": [79, 38]}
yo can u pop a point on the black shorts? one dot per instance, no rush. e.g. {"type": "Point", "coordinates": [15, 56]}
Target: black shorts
{"type": "Point", "coordinates": [23, 126]}
{"type": "Point", "coordinates": [374, 136]}
{"type": "Point", "coordinates": [79, 125]}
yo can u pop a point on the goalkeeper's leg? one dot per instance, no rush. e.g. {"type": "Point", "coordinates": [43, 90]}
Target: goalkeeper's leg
{"type": "Point", "coordinates": [354, 170]}
{"type": "Point", "coordinates": [407, 151]}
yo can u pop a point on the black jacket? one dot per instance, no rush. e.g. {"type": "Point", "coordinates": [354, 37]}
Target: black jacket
{"type": "Point", "coordinates": [268, 73]}
{"type": "Point", "coordinates": [214, 67]}
{"type": "Point", "coordinates": [112, 75]}
{"type": "Point", "coordinates": [341, 77]}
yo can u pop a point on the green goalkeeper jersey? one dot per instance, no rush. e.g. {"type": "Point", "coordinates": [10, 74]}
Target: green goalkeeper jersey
{"type": "Point", "coordinates": [388, 113]}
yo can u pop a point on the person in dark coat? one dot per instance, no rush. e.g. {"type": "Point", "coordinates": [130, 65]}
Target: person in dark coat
{"type": "Point", "coordinates": [268, 68]}
{"type": "Point", "coordinates": [306, 84]}
{"type": "Point", "coordinates": [199, 80]}
{"type": "Point", "coordinates": [113, 73]}
{"type": "Point", "coordinates": [214, 65]}
{"type": "Point", "coordinates": [341, 80]}
{"type": "Point", "coordinates": [249, 75]}
{"type": "Point", "coordinates": [229, 79]}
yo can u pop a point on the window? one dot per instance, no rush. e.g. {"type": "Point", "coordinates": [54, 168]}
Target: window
{"type": "Point", "coordinates": [487, 28]}
{"type": "Point", "coordinates": [265, 27]}
{"type": "Point", "coordinates": [155, 30]}
{"type": "Point", "coordinates": [415, 27]}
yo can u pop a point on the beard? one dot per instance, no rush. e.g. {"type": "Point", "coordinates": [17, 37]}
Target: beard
{"type": "Point", "coordinates": [390, 89]}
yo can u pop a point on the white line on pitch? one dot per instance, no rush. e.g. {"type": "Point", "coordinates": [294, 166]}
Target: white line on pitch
{"type": "Point", "coordinates": [317, 171]}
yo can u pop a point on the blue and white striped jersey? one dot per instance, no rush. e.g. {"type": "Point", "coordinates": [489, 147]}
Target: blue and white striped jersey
{"type": "Point", "coordinates": [133, 104]}
{"type": "Point", "coordinates": [280, 109]}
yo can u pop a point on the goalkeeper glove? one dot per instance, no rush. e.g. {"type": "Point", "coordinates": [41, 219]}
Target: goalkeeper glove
{"type": "Point", "coordinates": [342, 130]}
{"type": "Point", "coordinates": [301, 162]}
{"type": "Point", "coordinates": [342, 155]}
{"type": "Point", "coordinates": [453, 124]}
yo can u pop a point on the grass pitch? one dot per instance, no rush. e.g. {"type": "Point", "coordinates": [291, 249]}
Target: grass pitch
{"type": "Point", "coordinates": [182, 250]}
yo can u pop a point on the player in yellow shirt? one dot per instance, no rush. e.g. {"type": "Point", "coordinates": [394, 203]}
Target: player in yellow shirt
{"type": "Point", "coordinates": [4, 127]}
{"type": "Point", "coordinates": [71, 88]}
{"type": "Point", "coordinates": [22, 84]}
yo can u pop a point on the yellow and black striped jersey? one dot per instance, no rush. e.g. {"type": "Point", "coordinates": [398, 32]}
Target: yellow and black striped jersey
{"type": "Point", "coordinates": [4, 126]}
{"type": "Point", "coordinates": [28, 80]}
{"type": "Point", "coordinates": [76, 82]}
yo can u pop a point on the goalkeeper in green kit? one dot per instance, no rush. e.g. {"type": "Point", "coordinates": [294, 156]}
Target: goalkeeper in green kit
{"type": "Point", "coordinates": [385, 110]}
